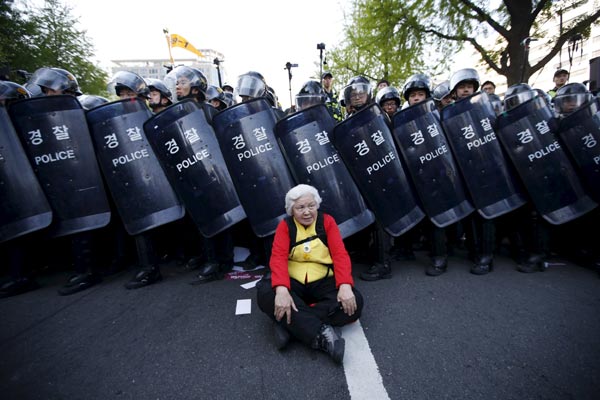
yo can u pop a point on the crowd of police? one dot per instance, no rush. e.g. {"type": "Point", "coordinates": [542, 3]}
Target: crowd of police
{"type": "Point", "coordinates": [177, 169]}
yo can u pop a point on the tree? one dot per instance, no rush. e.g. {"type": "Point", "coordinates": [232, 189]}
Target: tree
{"type": "Point", "coordinates": [17, 51]}
{"type": "Point", "coordinates": [60, 44]}
{"type": "Point", "coordinates": [47, 37]}
{"type": "Point", "coordinates": [440, 27]}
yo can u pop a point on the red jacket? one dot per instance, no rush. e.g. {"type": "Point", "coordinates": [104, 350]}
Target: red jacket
{"type": "Point", "coordinates": [342, 266]}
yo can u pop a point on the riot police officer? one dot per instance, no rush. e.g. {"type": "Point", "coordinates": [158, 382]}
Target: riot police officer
{"type": "Point", "coordinates": [389, 100]}
{"type": "Point", "coordinates": [126, 85]}
{"type": "Point", "coordinates": [416, 89]}
{"type": "Point", "coordinates": [577, 111]}
{"type": "Point", "coordinates": [252, 85]}
{"type": "Point", "coordinates": [311, 93]}
{"type": "Point", "coordinates": [442, 95]}
{"type": "Point", "coordinates": [190, 83]}
{"type": "Point", "coordinates": [84, 251]}
{"type": "Point", "coordinates": [480, 232]}
{"type": "Point", "coordinates": [20, 277]}
{"type": "Point", "coordinates": [217, 98]}
{"type": "Point", "coordinates": [357, 95]}
{"type": "Point", "coordinates": [159, 96]}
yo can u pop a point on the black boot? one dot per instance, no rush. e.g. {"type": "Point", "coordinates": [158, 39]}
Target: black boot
{"type": "Point", "coordinates": [533, 263]}
{"type": "Point", "coordinates": [144, 277]}
{"type": "Point", "coordinates": [210, 271]}
{"type": "Point", "coordinates": [16, 286]}
{"type": "Point", "coordinates": [438, 266]}
{"type": "Point", "coordinates": [483, 265]}
{"type": "Point", "coordinates": [329, 341]}
{"type": "Point", "coordinates": [377, 271]}
{"type": "Point", "coordinates": [78, 282]}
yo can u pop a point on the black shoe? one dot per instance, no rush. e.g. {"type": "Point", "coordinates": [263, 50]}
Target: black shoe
{"type": "Point", "coordinates": [282, 335]}
{"type": "Point", "coordinates": [79, 282]}
{"type": "Point", "coordinates": [437, 267]}
{"type": "Point", "coordinates": [484, 265]}
{"type": "Point", "coordinates": [249, 264]}
{"type": "Point", "coordinates": [209, 272]}
{"type": "Point", "coordinates": [144, 277]}
{"type": "Point", "coordinates": [330, 342]}
{"type": "Point", "coordinates": [17, 286]}
{"type": "Point", "coordinates": [377, 271]}
{"type": "Point", "coordinates": [533, 263]}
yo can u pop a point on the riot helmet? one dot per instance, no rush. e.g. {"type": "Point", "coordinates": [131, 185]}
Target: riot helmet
{"type": "Point", "coordinates": [517, 94]}
{"type": "Point", "coordinates": [251, 85]}
{"type": "Point", "coordinates": [127, 84]}
{"type": "Point", "coordinates": [441, 91]}
{"type": "Point", "coordinates": [310, 94]}
{"type": "Point", "coordinates": [465, 75]}
{"type": "Point", "coordinates": [216, 97]}
{"type": "Point", "coordinates": [89, 101]}
{"type": "Point", "coordinates": [388, 93]}
{"type": "Point", "coordinates": [187, 83]}
{"type": "Point", "coordinates": [56, 79]}
{"type": "Point", "coordinates": [11, 91]}
{"type": "Point", "coordinates": [35, 90]}
{"type": "Point", "coordinates": [227, 88]}
{"type": "Point", "coordinates": [229, 98]}
{"type": "Point", "coordinates": [357, 93]}
{"type": "Point", "coordinates": [496, 103]}
{"type": "Point", "coordinates": [417, 82]}
{"type": "Point", "coordinates": [156, 85]}
{"type": "Point", "coordinates": [547, 98]}
{"type": "Point", "coordinates": [570, 97]}
{"type": "Point", "coordinates": [271, 97]}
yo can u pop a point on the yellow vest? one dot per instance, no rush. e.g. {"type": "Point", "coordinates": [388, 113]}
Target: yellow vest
{"type": "Point", "coordinates": [308, 262]}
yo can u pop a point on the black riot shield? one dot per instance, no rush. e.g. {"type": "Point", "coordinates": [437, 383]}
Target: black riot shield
{"type": "Point", "coordinates": [23, 205]}
{"type": "Point", "coordinates": [528, 133]}
{"type": "Point", "coordinates": [188, 150]}
{"type": "Point", "coordinates": [56, 138]}
{"type": "Point", "coordinates": [430, 163]}
{"type": "Point", "coordinates": [489, 176]}
{"type": "Point", "coordinates": [260, 175]}
{"type": "Point", "coordinates": [304, 141]}
{"type": "Point", "coordinates": [140, 189]}
{"type": "Point", "coordinates": [580, 134]}
{"type": "Point", "coordinates": [366, 146]}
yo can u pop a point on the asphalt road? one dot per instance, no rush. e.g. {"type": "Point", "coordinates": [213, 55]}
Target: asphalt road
{"type": "Point", "coordinates": [505, 335]}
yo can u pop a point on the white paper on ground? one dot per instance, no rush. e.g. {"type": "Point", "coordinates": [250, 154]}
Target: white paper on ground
{"type": "Point", "coordinates": [242, 307]}
{"type": "Point", "coordinates": [250, 285]}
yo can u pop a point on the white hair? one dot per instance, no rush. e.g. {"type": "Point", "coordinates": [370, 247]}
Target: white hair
{"type": "Point", "coordinates": [298, 191]}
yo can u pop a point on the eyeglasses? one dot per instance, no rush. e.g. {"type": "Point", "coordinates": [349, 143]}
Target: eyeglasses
{"type": "Point", "coordinates": [309, 207]}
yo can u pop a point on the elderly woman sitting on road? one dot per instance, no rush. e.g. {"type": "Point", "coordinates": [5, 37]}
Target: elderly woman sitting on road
{"type": "Point", "coordinates": [310, 289]}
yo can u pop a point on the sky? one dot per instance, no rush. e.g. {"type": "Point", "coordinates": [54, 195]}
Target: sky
{"type": "Point", "coordinates": [253, 35]}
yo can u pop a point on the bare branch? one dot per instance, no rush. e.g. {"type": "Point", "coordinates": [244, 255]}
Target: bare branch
{"type": "Point", "coordinates": [486, 17]}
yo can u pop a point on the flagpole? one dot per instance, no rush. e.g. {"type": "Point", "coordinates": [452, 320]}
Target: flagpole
{"type": "Point", "coordinates": [168, 37]}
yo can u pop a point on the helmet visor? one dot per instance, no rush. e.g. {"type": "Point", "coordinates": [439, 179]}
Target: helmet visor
{"type": "Point", "coordinates": [250, 86]}
{"type": "Point", "coordinates": [517, 99]}
{"type": "Point", "coordinates": [307, 100]}
{"type": "Point", "coordinates": [568, 103]}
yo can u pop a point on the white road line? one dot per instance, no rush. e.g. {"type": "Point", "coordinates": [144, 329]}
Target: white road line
{"type": "Point", "coordinates": [362, 373]}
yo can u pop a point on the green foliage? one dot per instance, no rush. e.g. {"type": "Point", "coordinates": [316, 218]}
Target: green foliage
{"type": "Point", "coordinates": [48, 37]}
{"type": "Point", "coordinates": [393, 39]}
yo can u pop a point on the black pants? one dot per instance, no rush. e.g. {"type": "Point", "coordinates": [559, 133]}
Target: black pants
{"type": "Point", "coordinates": [316, 302]}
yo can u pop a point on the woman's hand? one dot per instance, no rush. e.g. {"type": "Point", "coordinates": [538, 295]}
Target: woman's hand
{"type": "Point", "coordinates": [346, 297]}
{"type": "Point", "coordinates": [283, 304]}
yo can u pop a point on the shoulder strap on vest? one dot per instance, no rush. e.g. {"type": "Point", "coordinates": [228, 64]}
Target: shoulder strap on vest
{"type": "Point", "coordinates": [319, 227]}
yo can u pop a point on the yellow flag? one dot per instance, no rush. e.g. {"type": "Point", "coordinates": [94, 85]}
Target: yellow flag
{"type": "Point", "coordinates": [179, 41]}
